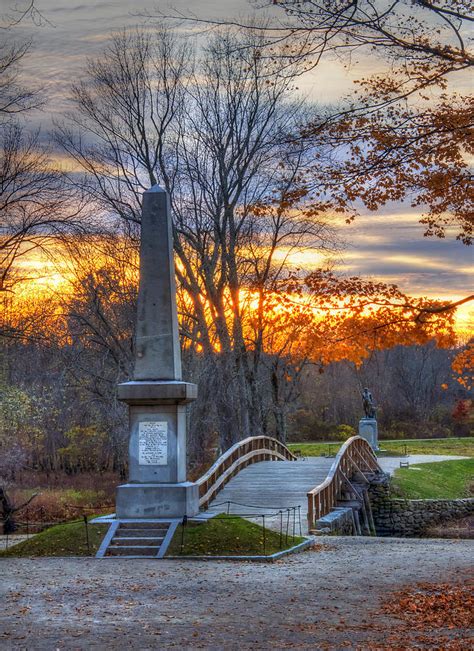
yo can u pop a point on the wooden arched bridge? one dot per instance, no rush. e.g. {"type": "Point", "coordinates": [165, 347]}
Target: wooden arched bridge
{"type": "Point", "coordinates": [260, 475]}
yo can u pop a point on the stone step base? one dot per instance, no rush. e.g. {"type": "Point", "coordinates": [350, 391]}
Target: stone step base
{"type": "Point", "coordinates": [138, 524]}
{"type": "Point", "coordinates": [137, 539]}
{"type": "Point", "coordinates": [351, 504]}
{"type": "Point", "coordinates": [137, 550]}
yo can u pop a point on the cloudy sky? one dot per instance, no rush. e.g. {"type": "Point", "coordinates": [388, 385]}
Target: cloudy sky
{"type": "Point", "coordinates": [388, 245]}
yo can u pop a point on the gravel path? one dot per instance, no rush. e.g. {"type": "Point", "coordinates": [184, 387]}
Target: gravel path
{"type": "Point", "coordinates": [322, 599]}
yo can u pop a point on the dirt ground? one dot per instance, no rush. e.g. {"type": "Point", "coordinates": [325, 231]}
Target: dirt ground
{"type": "Point", "coordinates": [329, 598]}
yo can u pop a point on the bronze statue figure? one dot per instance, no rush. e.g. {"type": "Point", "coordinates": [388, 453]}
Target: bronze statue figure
{"type": "Point", "coordinates": [368, 402]}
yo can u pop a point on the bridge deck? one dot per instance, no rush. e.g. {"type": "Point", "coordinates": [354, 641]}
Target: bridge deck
{"type": "Point", "coordinates": [272, 485]}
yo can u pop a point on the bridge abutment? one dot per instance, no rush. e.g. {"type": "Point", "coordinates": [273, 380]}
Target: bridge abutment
{"type": "Point", "coordinates": [373, 511]}
{"type": "Point", "coordinates": [398, 517]}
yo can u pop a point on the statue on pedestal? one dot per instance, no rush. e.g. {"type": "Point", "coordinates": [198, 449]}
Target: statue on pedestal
{"type": "Point", "coordinates": [368, 424]}
{"type": "Point", "coordinates": [368, 403]}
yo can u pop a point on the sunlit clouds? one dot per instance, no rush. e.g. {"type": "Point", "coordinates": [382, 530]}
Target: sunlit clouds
{"type": "Point", "coordinates": [388, 246]}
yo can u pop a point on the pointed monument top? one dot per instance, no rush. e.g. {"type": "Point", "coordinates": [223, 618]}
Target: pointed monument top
{"type": "Point", "coordinates": [158, 355]}
{"type": "Point", "coordinates": [155, 188]}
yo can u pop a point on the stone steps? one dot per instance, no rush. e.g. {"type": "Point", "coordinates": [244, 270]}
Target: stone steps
{"type": "Point", "coordinates": [141, 533]}
{"type": "Point", "coordinates": [123, 541]}
{"type": "Point", "coordinates": [131, 539]}
{"type": "Point", "coordinates": [137, 539]}
{"type": "Point", "coordinates": [136, 550]}
{"type": "Point", "coordinates": [136, 524]}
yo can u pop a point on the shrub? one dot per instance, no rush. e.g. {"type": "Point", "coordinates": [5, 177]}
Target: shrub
{"type": "Point", "coordinates": [345, 432]}
{"type": "Point", "coordinates": [57, 505]}
{"type": "Point", "coordinates": [86, 446]}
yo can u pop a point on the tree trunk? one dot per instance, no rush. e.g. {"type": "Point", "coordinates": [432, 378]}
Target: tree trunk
{"type": "Point", "coordinates": [7, 512]}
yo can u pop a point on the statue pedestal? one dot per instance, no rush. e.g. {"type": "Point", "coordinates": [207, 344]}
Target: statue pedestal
{"type": "Point", "coordinates": [368, 430]}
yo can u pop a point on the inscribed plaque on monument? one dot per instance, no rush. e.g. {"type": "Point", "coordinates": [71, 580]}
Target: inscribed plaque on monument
{"type": "Point", "coordinates": [153, 443]}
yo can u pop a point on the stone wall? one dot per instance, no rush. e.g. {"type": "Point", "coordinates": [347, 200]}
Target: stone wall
{"type": "Point", "coordinates": [401, 517]}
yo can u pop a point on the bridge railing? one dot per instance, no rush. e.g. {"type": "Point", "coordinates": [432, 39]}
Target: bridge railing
{"type": "Point", "coordinates": [356, 455]}
{"type": "Point", "coordinates": [235, 459]}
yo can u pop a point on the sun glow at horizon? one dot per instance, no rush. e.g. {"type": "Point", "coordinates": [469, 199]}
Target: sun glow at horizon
{"type": "Point", "coordinates": [42, 276]}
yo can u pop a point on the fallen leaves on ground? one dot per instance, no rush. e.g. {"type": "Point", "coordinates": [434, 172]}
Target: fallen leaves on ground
{"type": "Point", "coordinates": [434, 615]}
{"type": "Point", "coordinates": [435, 605]}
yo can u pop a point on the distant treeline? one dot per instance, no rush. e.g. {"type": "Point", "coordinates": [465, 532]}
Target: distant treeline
{"type": "Point", "coordinates": [57, 416]}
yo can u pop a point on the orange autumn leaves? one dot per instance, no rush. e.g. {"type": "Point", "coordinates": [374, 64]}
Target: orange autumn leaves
{"type": "Point", "coordinates": [322, 316]}
{"type": "Point", "coordinates": [336, 318]}
{"type": "Point", "coordinates": [463, 366]}
{"type": "Point", "coordinates": [422, 154]}
{"type": "Point", "coordinates": [439, 615]}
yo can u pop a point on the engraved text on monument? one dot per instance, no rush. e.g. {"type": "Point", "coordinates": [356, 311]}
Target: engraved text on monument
{"type": "Point", "coordinates": [153, 443]}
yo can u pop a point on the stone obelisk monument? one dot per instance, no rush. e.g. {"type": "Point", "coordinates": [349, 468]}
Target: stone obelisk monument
{"type": "Point", "coordinates": [157, 396]}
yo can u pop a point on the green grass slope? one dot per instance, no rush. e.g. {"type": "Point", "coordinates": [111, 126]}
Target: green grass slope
{"type": "Point", "coordinates": [61, 540]}
{"type": "Point", "coordinates": [443, 480]}
{"type": "Point", "coordinates": [228, 536]}
{"type": "Point", "coordinates": [222, 536]}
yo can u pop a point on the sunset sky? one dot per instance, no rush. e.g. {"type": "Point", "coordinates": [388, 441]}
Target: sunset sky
{"type": "Point", "coordinates": [388, 245]}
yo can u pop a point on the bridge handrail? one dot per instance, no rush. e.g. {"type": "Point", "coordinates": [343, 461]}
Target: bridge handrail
{"type": "Point", "coordinates": [355, 454]}
{"type": "Point", "coordinates": [235, 459]}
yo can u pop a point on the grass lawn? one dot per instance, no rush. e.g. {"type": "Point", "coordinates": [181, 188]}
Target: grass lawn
{"type": "Point", "coordinates": [61, 540]}
{"type": "Point", "coordinates": [222, 536]}
{"type": "Point", "coordinates": [456, 446]}
{"type": "Point", "coordinates": [315, 449]}
{"type": "Point", "coordinates": [227, 536]}
{"type": "Point", "coordinates": [445, 479]}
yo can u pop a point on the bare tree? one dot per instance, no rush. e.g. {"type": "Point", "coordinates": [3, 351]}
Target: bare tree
{"type": "Point", "coordinates": [238, 203]}
{"type": "Point", "coordinates": [14, 97]}
{"type": "Point", "coordinates": [123, 131]}
{"type": "Point", "coordinates": [33, 204]}
{"type": "Point", "coordinates": [220, 139]}
{"type": "Point", "coordinates": [9, 510]}
{"type": "Point", "coordinates": [18, 11]}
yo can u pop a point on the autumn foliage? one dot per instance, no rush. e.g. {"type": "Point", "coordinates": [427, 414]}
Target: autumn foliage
{"type": "Point", "coordinates": [406, 131]}
{"type": "Point", "coordinates": [463, 366]}
{"type": "Point", "coordinates": [434, 615]}
{"type": "Point", "coordinates": [350, 317]}
{"type": "Point", "coordinates": [422, 154]}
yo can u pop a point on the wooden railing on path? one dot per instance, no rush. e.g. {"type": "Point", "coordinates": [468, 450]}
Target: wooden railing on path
{"type": "Point", "coordinates": [238, 457]}
{"type": "Point", "coordinates": [355, 455]}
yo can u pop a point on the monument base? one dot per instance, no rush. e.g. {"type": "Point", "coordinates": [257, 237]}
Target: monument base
{"type": "Point", "coordinates": [157, 500]}
{"type": "Point", "coordinates": [368, 430]}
